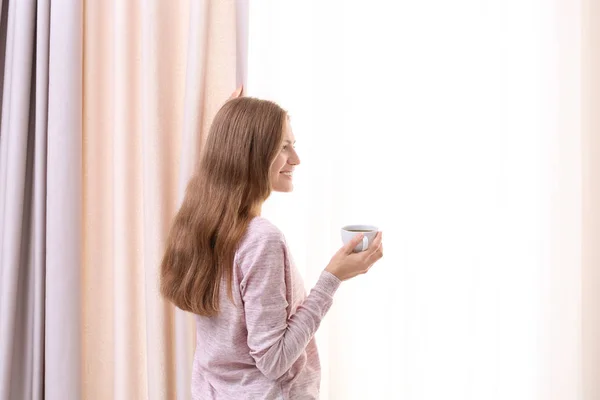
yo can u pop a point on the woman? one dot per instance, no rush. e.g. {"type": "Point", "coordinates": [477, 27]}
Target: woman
{"type": "Point", "coordinates": [232, 268]}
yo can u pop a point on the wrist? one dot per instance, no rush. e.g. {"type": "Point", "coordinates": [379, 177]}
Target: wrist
{"type": "Point", "coordinates": [333, 270]}
{"type": "Point", "coordinates": [328, 283]}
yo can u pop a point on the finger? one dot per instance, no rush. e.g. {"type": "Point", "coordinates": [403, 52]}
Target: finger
{"type": "Point", "coordinates": [376, 242]}
{"type": "Point", "coordinates": [236, 93]}
{"type": "Point", "coordinates": [375, 255]}
{"type": "Point", "coordinates": [356, 240]}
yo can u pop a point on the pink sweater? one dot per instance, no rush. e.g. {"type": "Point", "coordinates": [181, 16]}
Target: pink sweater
{"type": "Point", "coordinates": [261, 346]}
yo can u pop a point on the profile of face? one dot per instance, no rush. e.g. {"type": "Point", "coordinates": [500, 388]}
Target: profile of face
{"type": "Point", "coordinates": [282, 169]}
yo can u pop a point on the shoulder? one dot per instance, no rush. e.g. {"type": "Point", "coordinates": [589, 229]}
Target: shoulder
{"type": "Point", "coordinates": [262, 228]}
{"type": "Point", "coordinates": [261, 236]}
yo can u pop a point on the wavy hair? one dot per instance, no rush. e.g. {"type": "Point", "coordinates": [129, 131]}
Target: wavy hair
{"type": "Point", "coordinates": [230, 183]}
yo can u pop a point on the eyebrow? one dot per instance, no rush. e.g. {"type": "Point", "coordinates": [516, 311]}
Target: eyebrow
{"type": "Point", "coordinates": [289, 141]}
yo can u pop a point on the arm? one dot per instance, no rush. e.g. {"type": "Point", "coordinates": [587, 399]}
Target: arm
{"type": "Point", "coordinates": [275, 341]}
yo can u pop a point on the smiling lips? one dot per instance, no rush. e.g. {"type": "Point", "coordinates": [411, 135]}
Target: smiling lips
{"type": "Point", "coordinates": [287, 173]}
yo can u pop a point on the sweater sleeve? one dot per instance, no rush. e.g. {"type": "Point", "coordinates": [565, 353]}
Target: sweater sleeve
{"type": "Point", "coordinates": [276, 341]}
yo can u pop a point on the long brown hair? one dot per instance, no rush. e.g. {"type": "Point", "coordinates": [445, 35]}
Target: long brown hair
{"type": "Point", "coordinates": [231, 182]}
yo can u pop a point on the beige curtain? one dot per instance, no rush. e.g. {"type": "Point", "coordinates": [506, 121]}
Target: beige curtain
{"type": "Point", "coordinates": [591, 199]}
{"type": "Point", "coordinates": [155, 73]}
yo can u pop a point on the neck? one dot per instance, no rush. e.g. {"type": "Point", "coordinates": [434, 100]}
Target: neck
{"type": "Point", "coordinates": [256, 211]}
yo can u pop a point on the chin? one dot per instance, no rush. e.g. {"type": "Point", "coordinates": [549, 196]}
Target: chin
{"type": "Point", "coordinates": [284, 189]}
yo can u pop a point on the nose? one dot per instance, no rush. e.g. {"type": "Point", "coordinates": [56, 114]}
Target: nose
{"type": "Point", "coordinates": [294, 159]}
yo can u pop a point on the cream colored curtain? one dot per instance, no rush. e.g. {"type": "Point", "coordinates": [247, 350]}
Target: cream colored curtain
{"type": "Point", "coordinates": [155, 73]}
{"type": "Point", "coordinates": [591, 199]}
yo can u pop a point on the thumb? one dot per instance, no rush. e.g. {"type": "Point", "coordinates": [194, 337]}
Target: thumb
{"type": "Point", "coordinates": [356, 240]}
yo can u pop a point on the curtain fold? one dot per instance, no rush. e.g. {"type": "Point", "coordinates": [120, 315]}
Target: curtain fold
{"type": "Point", "coordinates": [63, 333]}
{"type": "Point", "coordinates": [164, 45]}
{"type": "Point", "coordinates": [18, 313]}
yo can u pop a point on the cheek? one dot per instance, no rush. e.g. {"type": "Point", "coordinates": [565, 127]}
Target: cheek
{"type": "Point", "coordinates": [277, 165]}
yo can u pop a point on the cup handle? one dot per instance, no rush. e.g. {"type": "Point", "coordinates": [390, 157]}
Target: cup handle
{"type": "Point", "coordinates": [365, 243]}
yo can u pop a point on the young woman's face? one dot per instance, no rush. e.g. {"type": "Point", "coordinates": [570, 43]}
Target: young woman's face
{"type": "Point", "coordinates": [283, 167]}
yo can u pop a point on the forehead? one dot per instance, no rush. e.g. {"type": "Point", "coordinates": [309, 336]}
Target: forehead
{"type": "Point", "coordinates": [288, 134]}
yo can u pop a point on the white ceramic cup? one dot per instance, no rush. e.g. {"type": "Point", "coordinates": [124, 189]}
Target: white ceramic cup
{"type": "Point", "coordinates": [370, 231]}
